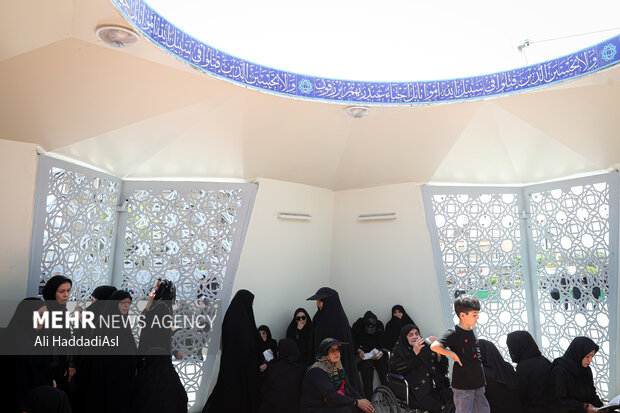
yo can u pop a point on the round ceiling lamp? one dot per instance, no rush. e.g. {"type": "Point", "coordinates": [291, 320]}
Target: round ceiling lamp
{"type": "Point", "coordinates": [116, 36]}
{"type": "Point", "coordinates": [357, 111]}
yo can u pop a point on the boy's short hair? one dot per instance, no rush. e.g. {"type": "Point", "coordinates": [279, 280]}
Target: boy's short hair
{"type": "Point", "coordinates": [465, 303]}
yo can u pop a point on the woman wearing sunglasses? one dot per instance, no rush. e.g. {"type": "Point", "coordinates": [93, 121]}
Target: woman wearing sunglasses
{"type": "Point", "coordinates": [300, 331]}
{"type": "Point", "coordinates": [326, 388]}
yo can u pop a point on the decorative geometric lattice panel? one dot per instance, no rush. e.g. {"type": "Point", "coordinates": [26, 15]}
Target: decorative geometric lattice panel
{"type": "Point", "coordinates": [185, 237]}
{"type": "Point", "coordinates": [570, 230]}
{"type": "Point", "coordinates": [479, 242]}
{"type": "Point", "coordinates": [78, 229]}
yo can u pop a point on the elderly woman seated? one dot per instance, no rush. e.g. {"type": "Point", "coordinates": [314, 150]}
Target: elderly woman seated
{"type": "Point", "coordinates": [425, 371]}
{"type": "Point", "coordinates": [326, 388]}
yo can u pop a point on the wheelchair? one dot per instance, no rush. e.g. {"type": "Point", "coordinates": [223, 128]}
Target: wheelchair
{"type": "Point", "coordinates": [393, 397]}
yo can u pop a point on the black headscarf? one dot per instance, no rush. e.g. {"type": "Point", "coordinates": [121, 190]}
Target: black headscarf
{"type": "Point", "coordinates": [393, 327]}
{"type": "Point", "coordinates": [302, 337]}
{"type": "Point", "coordinates": [270, 343]}
{"type": "Point", "coordinates": [495, 367]}
{"type": "Point", "coordinates": [574, 355]}
{"type": "Point", "coordinates": [19, 336]}
{"type": "Point", "coordinates": [103, 292]}
{"type": "Point", "coordinates": [49, 292]}
{"type": "Point", "coordinates": [368, 332]}
{"type": "Point", "coordinates": [47, 399]}
{"type": "Point", "coordinates": [521, 346]}
{"type": "Point", "coordinates": [331, 321]}
{"type": "Point", "coordinates": [157, 388]}
{"type": "Point", "coordinates": [237, 386]}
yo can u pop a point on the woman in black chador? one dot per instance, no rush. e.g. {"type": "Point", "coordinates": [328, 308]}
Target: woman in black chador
{"type": "Point", "coordinates": [368, 336]}
{"type": "Point", "coordinates": [300, 330]}
{"type": "Point", "coordinates": [501, 389]}
{"type": "Point", "coordinates": [399, 319]}
{"type": "Point", "coordinates": [106, 379]}
{"type": "Point", "coordinates": [282, 382]}
{"type": "Point", "coordinates": [25, 365]}
{"type": "Point", "coordinates": [426, 373]}
{"type": "Point", "coordinates": [56, 293]}
{"type": "Point", "coordinates": [331, 321]}
{"type": "Point", "coordinates": [237, 386]}
{"type": "Point", "coordinates": [158, 388]}
{"type": "Point", "coordinates": [267, 342]}
{"type": "Point", "coordinates": [533, 372]}
{"type": "Point", "coordinates": [572, 382]}
{"type": "Point", "coordinates": [157, 313]}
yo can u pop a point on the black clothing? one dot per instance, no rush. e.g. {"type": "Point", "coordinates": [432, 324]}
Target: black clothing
{"type": "Point", "coordinates": [24, 367]}
{"type": "Point", "coordinates": [157, 388]}
{"type": "Point", "coordinates": [332, 322]}
{"type": "Point", "coordinates": [237, 386]}
{"type": "Point", "coordinates": [501, 388]}
{"type": "Point", "coordinates": [464, 343]}
{"type": "Point", "coordinates": [368, 335]}
{"type": "Point", "coordinates": [303, 337]}
{"type": "Point", "coordinates": [281, 388]}
{"type": "Point", "coordinates": [427, 376]}
{"type": "Point", "coordinates": [269, 344]}
{"type": "Point", "coordinates": [47, 399]}
{"type": "Point", "coordinates": [62, 358]}
{"type": "Point", "coordinates": [154, 334]}
{"type": "Point", "coordinates": [319, 396]}
{"type": "Point", "coordinates": [533, 372]}
{"type": "Point", "coordinates": [573, 384]}
{"type": "Point", "coordinates": [392, 328]}
{"type": "Point", "coordinates": [108, 378]}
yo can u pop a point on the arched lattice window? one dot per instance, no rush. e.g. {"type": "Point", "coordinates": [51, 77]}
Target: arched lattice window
{"type": "Point", "coordinates": [541, 258]}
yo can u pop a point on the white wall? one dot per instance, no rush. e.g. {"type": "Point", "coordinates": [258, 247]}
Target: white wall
{"type": "Point", "coordinates": [376, 264]}
{"type": "Point", "coordinates": [285, 261]}
{"type": "Point", "coordinates": [18, 166]}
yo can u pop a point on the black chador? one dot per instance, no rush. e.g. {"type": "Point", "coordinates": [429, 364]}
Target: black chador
{"type": "Point", "coordinates": [282, 383]}
{"type": "Point", "coordinates": [368, 335]}
{"type": "Point", "coordinates": [501, 388]}
{"type": "Point", "coordinates": [237, 386]}
{"type": "Point", "coordinates": [331, 321]}
{"type": "Point", "coordinates": [158, 388]}
{"type": "Point", "coordinates": [269, 344]}
{"type": "Point", "coordinates": [105, 378]}
{"type": "Point", "coordinates": [429, 386]}
{"type": "Point", "coordinates": [62, 358]}
{"type": "Point", "coordinates": [572, 384]}
{"type": "Point", "coordinates": [392, 328]}
{"type": "Point", "coordinates": [302, 336]}
{"type": "Point", "coordinates": [533, 372]}
{"type": "Point", "coordinates": [26, 364]}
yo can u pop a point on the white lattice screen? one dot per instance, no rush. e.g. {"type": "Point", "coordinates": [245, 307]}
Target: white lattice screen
{"type": "Point", "coordinates": [541, 258]}
{"type": "Point", "coordinates": [96, 229]}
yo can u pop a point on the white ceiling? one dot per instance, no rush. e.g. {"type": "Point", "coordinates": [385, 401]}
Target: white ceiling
{"type": "Point", "coordinates": [139, 113]}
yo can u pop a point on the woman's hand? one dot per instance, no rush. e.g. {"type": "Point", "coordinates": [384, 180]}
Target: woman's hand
{"type": "Point", "coordinates": [591, 409]}
{"type": "Point", "coordinates": [417, 345]}
{"type": "Point", "coordinates": [262, 367]}
{"type": "Point", "coordinates": [360, 353]}
{"type": "Point", "coordinates": [365, 406]}
{"type": "Point", "coordinates": [71, 372]}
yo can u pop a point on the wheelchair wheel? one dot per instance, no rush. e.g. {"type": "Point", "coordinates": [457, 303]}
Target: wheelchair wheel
{"type": "Point", "coordinates": [384, 400]}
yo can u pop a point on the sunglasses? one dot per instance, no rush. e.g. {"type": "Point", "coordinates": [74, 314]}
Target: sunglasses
{"type": "Point", "coordinates": [300, 317]}
{"type": "Point", "coordinates": [334, 350]}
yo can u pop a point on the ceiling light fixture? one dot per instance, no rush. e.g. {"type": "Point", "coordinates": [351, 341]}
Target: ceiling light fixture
{"type": "Point", "coordinates": [116, 36]}
{"type": "Point", "coordinates": [357, 111]}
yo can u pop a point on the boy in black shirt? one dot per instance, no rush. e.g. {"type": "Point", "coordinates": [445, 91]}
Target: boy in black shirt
{"type": "Point", "coordinates": [467, 375]}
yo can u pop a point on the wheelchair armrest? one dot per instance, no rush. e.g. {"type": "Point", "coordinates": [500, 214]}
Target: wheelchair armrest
{"type": "Point", "coordinates": [396, 376]}
{"type": "Point", "coordinates": [401, 378]}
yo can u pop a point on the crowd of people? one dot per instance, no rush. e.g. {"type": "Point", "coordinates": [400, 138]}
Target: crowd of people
{"type": "Point", "coordinates": [60, 379]}
{"type": "Point", "coordinates": [324, 365]}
